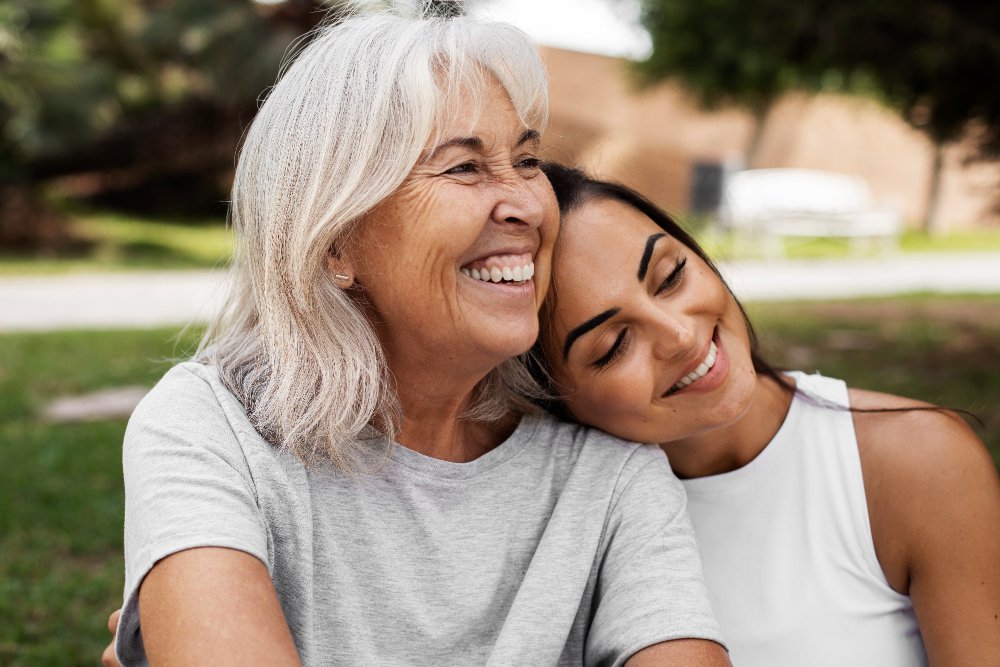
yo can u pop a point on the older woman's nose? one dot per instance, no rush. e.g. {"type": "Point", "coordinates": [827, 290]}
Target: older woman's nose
{"type": "Point", "coordinates": [519, 203]}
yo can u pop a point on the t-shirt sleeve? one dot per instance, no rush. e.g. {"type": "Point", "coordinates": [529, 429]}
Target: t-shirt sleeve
{"type": "Point", "coordinates": [187, 485]}
{"type": "Point", "coordinates": [650, 586]}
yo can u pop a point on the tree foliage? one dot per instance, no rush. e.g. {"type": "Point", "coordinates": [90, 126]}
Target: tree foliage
{"type": "Point", "coordinates": [146, 97]}
{"type": "Point", "coordinates": [936, 61]}
{"type": "Point", "coordinates": [138, 102]}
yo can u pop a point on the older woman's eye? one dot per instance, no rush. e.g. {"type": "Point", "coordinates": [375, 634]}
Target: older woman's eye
{"type": "Point", "coordinates": [617, 350]}
{"type": "Point", "coordinates": [674, 278]}
{"type": "Point", "coordinates": [464, 168]}
{"type": "Point", "coordinates": [529, 163]}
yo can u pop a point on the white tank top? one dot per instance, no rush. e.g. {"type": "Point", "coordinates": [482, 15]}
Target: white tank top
{"type": "Point", "coordinates": [788, 550]}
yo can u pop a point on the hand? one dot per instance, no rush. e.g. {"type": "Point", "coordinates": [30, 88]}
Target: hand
{"type": "Point", "coordinates": [108, 658]}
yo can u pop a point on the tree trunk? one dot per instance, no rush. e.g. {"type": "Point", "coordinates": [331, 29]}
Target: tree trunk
{"type": "Point", "coordinates": [28, 223]}
{"type": "Point", "coordinates": [760, 116]}
{"type": "Point", "coordinates": [932, 224]}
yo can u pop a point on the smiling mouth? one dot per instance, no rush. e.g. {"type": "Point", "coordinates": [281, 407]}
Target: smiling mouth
{"type": "Point", "coordinates": [698, 373]}
{"type": "Point", "coordinates": [502, 269]}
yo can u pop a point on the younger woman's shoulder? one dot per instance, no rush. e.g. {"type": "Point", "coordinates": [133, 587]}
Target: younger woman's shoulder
{"type": "Point", "coordinates": [928, 478]}
{"type": "Point", "coordinates": [914, 436]}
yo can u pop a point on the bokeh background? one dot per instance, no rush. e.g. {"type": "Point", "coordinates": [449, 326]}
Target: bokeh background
{"type": "Point", "coordinates": [120, 119]}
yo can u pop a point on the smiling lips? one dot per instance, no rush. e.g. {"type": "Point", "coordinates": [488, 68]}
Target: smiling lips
{"type": "Point", "coordinates": [703, 368]}
{"type": "Point", "coordinates": [502, 268]}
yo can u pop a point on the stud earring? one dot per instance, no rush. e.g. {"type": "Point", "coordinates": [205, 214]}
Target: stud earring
{"type": "Point", "coordinates": [346, 281]}
{"type": "Point", "coordinates": [341, 276]}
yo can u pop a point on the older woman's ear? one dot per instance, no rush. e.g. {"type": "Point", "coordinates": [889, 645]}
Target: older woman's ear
{"type": "Point", "coordinates": [340, 268]}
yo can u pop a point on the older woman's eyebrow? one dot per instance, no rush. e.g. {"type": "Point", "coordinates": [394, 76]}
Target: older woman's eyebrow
{"type": "Point", "coordinates": [595, 321]}
{"type": "Point", "coordinates": [476, 144]}
{"type": "Point", "coordinates": [647, 254]}
{"type": "Point", "coordinates": [529, 136]}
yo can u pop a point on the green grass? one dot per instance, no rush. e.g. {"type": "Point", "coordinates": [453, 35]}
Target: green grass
{"type": "Point", "coordinates": [114, 242]}
{"type": "Point", "coordinates": [61, 491]}
{"type": "Point", "coordinates": [945, 350]}
{"type": "Point", "coordinates": [60, 485]}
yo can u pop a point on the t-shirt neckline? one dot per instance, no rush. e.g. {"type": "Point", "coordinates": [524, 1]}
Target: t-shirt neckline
{"type": "Point", "coordinates": [506, 450]}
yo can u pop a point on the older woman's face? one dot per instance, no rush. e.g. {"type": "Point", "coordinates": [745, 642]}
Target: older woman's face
{"type": "Point", "coordinates": [455, 264]}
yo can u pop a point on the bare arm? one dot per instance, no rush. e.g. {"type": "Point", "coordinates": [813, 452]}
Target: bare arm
{"type": "Point", "coordinates": [213, 606]}
{"type": "Point", "coordinates": [934, 502]}
{"type": "Point", "coordinates": [681, 652]}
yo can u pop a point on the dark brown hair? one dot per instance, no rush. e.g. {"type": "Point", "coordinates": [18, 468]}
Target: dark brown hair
{"type": "Point", "coordinates": [573, 189]}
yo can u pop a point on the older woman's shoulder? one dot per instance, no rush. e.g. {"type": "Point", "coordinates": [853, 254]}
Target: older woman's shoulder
{"type": "Point", "coordinates": [187, 385]}
{"type": "Point", "coordinates": [190, 403]}
{"type": "Point", "coordinates": [595, 449]}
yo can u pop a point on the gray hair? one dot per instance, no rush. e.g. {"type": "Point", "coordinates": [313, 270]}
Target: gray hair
{"type": "Point", "coordinates": [339, 132]}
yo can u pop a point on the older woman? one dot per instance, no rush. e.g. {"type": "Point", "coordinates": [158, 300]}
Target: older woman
{"type": "Point", "coordinates": [395, 238]}
{"type": "Point", "coordinates": [838, 526]}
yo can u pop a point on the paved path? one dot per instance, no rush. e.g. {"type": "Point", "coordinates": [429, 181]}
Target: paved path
{"type": "Point", "coordinates": [147, 299]}
{"type": "Point", "coordinates": [974, 273]}
{"type": "Point", "coordinates": [107, 300]}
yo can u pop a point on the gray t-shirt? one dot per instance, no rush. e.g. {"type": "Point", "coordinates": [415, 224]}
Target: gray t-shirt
{"type": "Point", "coordinates": [562, 545]}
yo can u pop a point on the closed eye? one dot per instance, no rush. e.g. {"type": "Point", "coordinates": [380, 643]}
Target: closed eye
{"type": "Point", "coordinates": [617, 349]}
{"type": "Point", "coordinates": [529, 163]}
{"type": "Point", "coordinates": [674, 278]}
{"type": "Point", "coordinates": [464, 168]}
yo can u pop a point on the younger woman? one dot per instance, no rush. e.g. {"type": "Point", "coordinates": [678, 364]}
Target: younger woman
{"type": "Point", "coordinates": [838, 526]}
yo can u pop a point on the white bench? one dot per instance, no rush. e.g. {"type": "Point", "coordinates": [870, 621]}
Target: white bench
{"type": "Point", "coordinates": [770, 205]}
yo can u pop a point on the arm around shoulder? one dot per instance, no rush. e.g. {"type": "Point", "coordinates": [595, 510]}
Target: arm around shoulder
{"type": "Point", "coordinates": [934, 502]}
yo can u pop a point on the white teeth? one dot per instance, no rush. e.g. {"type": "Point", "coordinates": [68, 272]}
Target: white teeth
{"type": "Point", "coordinates": [517, 274]}
{"type": "Point", "coordinates": [704, 367]}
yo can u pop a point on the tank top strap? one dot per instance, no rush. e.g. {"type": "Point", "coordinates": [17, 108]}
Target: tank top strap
{"type": "Point", "coordinates": [830, 457]}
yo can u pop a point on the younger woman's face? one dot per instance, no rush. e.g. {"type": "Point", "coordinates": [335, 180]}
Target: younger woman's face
{"type": "Point", "coordinates": [645, 341]}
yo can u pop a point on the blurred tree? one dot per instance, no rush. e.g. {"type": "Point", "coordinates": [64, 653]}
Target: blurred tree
{"type": "Point", "coordinates": [935, 61]}
{"type": "Point", "coordinates": [136, 103]}
{"type": "Point", "coordinates": [29, 61]}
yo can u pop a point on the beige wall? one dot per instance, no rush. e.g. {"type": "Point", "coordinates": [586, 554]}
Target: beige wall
{"type": "Point", "coordinates": [650, 139]}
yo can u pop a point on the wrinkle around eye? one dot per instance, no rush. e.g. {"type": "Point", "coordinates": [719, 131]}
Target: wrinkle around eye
{"type": "Point", "coordinates": [529, 162]}
{"type": "Point", "coordinates": [467, 167]}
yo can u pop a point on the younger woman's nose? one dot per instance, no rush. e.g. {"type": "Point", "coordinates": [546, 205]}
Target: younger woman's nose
{"type": "Point", "coordinates": [675, 337]}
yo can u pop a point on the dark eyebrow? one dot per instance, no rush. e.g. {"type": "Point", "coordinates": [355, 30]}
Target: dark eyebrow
{"type": "Point", "coordinates": [595, 321]}
{"type": "Point", "coordinates": [647, 254]}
